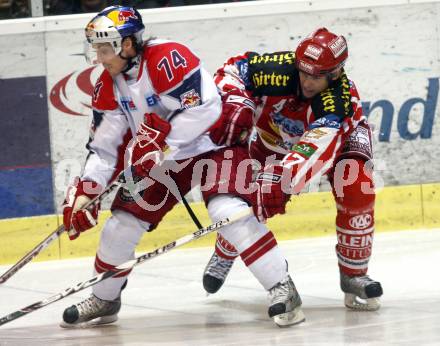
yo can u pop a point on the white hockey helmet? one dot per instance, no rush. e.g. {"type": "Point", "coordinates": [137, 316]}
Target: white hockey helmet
{"type": "Point", "coordinates": [112, 25]}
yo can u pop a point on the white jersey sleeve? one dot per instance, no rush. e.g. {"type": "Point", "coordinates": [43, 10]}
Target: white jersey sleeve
{"type": "Point", "coordinates": [107, 134]}
{"type": "Point", "coordinates": [107, 138]}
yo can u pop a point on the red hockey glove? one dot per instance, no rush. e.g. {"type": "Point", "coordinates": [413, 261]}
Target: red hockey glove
{"type": "Point", "coordinates": [271, 198]}
{"type": "Point", "coordinates": [235, 123]}
{"type": "Point", "coordinates": [149, 144]}
{"type": "Point", "coordinates": [75, 219]}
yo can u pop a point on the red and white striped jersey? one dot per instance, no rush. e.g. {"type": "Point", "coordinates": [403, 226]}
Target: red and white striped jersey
{"type": "Point", "coordinates": [168, 80]}
{"type": "Point", "coordinates": [307, 132]}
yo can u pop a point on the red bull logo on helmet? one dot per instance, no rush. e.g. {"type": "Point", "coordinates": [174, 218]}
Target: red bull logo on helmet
{"type": "Point", "coordinates": [120, 17]}
{"type": "Point", "coordinates": [125, 15]}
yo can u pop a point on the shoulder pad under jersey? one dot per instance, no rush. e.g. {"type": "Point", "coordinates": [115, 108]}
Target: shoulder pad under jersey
{"type": "Point", "coordinates": [273, 74]}
{"type": "Point", "coordinates": [168, 64]}
{"type": "Point", "coordinates": [336, 99]}
{"type": "Point", "coordinates": [103, 97]}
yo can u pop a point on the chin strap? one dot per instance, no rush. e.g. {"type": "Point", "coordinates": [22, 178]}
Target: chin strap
{"type": "Point", "coordinates": [131, 62]}
{"type": "Point", "coordinates": [123, 57]}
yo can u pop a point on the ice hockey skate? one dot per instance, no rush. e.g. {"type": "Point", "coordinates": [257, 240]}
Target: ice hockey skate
{"type": "Point", "coordinates": [361, 292]}
{"type": "Point", "coordinates": [90, 312]}
{"type": "Point", "coordinates": [285, 304]}
{"type": "Point", "coordinates": [216, 272]}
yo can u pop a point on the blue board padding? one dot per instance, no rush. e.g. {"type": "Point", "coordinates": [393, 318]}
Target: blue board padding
{"type": "Point", "coordinates": [26, 192]}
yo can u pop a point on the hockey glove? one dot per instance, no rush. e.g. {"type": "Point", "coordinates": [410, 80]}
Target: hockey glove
{"type": "Point", "coordinates": [149, 144]}
{"type": "Point", "coordinates": [75, 219]}
{"type": "Point", "coordinates": [236, 120]}
{"type": "Point", "coordinates": [271, 198]}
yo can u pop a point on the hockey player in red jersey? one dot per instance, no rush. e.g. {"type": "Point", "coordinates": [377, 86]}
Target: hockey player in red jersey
{"type": "Point", "coordinates": [153, 97]}
{"type": "Point", "coordinates": [308, 122]}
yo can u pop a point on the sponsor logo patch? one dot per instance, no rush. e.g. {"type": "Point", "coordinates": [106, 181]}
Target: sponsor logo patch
{"type": "Point", "coordinates": [305, 149]}
{"type": "Point", "coordinates": [338, 46]}
{"type": "Point", "coordinates": [359, 142]}
{"type": "Point", "coordinates": [313, 51]}
{"type": "Point", "coordinates": [190, 99]}
{"type": "Point", "coordinates": [121, 17]}
{"type": "Point", "coordinates": [290, 126]}
{"type": "Point", "coordinates": [241, 100]}
{"type": "Point", "coordinates": [127, 103]}
{"type": "Point", "coordinates": [280, 58]}
{"type": "Point", "coordinates": [360, 134]}
{"type": "Point", "coordinates": [125, 15]}
{"type": "Point", "coordinates": [273, 178]}
{"type": "Point", "coordinates": [331, 121]}
{"type": "Point", "coordinates": [328, 100]}
{"type": "Point", "coordinates": [243, 68]}
{"type": "Point", "coordinates": [151, 100]}
{"type": "Point", "coordinates": [307, 68]}
{"type": "Point", "coordinates": [126, 193]}
{"type": "Point", "coordinates": [273, 79]}
{"type": "Point", "coordinates": [315, 133]}
{"type": "Point", "coordinates": [360, 221]}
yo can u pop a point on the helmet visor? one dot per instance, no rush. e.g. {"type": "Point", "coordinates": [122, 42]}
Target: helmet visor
{"type": "Point", "coordinates": [96, 53]}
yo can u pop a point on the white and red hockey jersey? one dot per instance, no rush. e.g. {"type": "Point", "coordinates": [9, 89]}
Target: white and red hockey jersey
{"type": "Point", "coordinates": [168, 80]}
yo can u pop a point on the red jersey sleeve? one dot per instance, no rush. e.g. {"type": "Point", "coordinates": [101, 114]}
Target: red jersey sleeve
{"type": "Point", "coordinates": [234, 74]}
{"type": "Point", "coordinates": [103, 97]}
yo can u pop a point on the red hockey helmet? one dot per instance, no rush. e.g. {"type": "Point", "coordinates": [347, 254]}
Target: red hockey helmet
{"type": "Point", "coordinates": [321, 53]}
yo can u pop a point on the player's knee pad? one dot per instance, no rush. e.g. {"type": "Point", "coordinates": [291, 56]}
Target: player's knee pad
{"type": "Point", "coordinates": [222, 206]}
{"type": "Point", "coordinates": [120, 235]}
{"type": "Point", "coordinates": [119, 238]}
{"type": "Point", "coordinates": [353, 185]}
{"type": "Point", "coordinates": [256, 245]}
{"type": "Point", "coordinates": [242, 232]}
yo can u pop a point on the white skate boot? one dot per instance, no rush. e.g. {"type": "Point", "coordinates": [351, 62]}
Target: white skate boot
{"type": "Point", "coordinates": [91, 311]}
{"type": "Point", "coordinates": [361, 292]}
{"type": "Point", "coordinates": [285, 304]}
{"type": "Point", "coordinates": [215, 273]}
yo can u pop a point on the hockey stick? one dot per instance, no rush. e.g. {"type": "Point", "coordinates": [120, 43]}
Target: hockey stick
{"type": "Point", "coordinates": [54, 235]}
{"type": "Point", "coordinates": [191, 212]}
{"type": "Point", "coordinates": [125, 266]}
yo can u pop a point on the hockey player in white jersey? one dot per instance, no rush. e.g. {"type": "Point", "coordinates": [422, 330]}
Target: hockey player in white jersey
{"type": "Point", "coordinates": [159, 90]}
